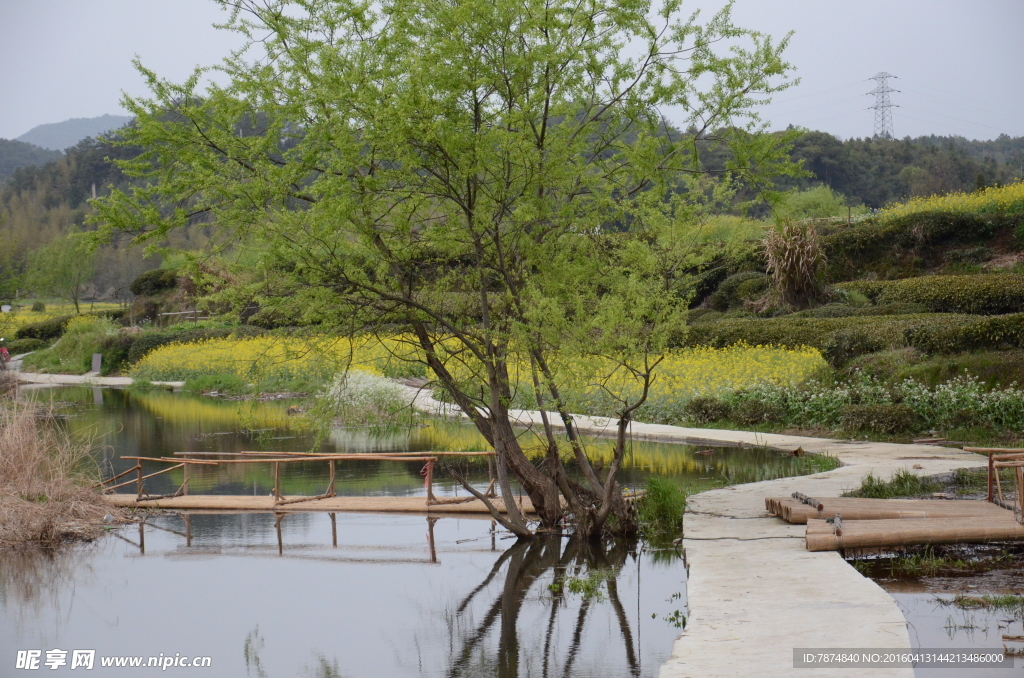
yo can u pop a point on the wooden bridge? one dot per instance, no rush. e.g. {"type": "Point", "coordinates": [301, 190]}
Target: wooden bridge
{"type": "Point", "coordinates": [277, 502]}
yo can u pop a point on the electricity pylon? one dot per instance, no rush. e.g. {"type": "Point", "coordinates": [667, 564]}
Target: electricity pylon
{"type": "Point", "coordinates": [883, 116]}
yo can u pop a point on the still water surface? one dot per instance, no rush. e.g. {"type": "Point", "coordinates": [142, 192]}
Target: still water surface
{"type": "Point", "coordinates": [352, 594]}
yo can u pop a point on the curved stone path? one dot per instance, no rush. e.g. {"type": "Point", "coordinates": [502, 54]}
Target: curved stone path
{"type": "Point", "coordinates": [754, 592]}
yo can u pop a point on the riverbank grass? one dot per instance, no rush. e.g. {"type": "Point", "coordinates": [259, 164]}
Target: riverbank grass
{"type": "Point", "coordinates": [902, 483]}
{"type": "Point", "coordinates": [46, 482]}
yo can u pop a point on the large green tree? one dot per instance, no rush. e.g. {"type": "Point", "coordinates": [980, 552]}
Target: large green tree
{"type": "Point", "coordinates": [496, 181]}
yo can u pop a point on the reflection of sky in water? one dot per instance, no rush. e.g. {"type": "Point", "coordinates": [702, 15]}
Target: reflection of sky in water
{"type": "Point", "coordinates": [932, 624]}
{"type": "Point", "coordinates": [374, 606]}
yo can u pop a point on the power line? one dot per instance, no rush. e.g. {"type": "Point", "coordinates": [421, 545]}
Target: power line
{"type": "Point", "coordinates": [943, 115]}
{"type": "Point", "coordinates": [883, 116]}
{"type": "Point", "coordinates": [972, 109]}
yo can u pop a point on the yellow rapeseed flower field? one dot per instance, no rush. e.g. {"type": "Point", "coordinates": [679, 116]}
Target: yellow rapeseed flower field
{"type": "Point", "coordinates": [683, 374]}
{"type": "Point", "coordinates": [990, 200]}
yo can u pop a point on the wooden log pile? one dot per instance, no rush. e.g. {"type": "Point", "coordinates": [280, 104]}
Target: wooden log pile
{"type": "Point", "coordinates": [793, 510]}
{"type": "Point", "coordinates": [821, 536]}
{"type": "Point", "coordinates": [835, 523]}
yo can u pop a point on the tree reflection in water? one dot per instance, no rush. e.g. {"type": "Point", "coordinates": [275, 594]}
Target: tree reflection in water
{"type": "Point", "coordinates": [525, 563]}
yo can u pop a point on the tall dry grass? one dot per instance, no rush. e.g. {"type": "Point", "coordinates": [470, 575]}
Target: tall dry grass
{"type": "Point", "coordinates": [46, 481]}
{"type": "Point", "coordinates": [8, 384]}
{"type": "Point", "coordinates": [796, 264]}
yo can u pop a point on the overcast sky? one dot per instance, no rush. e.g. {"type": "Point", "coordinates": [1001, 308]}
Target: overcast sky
{"type": "Point", "coordinates": [959, 62]}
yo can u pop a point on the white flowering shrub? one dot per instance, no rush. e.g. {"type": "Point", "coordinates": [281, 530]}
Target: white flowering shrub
{"type": "Point", "coordinates": [360, 398]}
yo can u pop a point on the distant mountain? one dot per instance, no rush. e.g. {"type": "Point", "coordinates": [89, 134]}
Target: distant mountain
{"type": "Point", "coordinates": [60, 135]}
{"type": "Point", "coordinates": [15, 154]}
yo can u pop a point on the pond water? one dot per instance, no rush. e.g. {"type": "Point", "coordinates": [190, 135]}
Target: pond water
{"type": "Point", "coordinates": [958, 610]}
{"type": "Point", "coordinates": [159, 424]}
{"type": "Point", "coordinates": [313, 594]}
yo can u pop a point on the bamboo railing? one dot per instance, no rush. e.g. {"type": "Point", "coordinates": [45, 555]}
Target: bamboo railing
{"type": "Point", "coordinates": [186, 460]}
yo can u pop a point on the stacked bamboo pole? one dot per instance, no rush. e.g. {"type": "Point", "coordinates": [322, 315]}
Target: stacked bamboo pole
{"type": "Point", "coordinates": [795, 511]}
{"type": "Point", "coordinates": [821, 536]}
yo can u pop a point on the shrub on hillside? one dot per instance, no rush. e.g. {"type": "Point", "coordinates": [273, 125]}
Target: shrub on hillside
{"type": "Point", "coordinates": [879, 418]}
{"type": "Point", "coordinates": [705, 410]}
{"type": "Point", "coordinates": [154, 282]}
{"type": "Point", "coordinates": [794, 331]}
{"type": "Point", "coordinates": [51, 328]}
{"type": "Point", "coordinates": [844, 345]}
{"type": "Point", "coordinates": [834, 310]}
{"type": "Point", "coordinates": [887, 236]}
{"type": "Point", "coordinates": [38, 307]}
{"type": "Point", "coordinates": [738, 288]}
{"type": "Point", "coordinates": [990, 294]}
{"type": "Point", "coordinates": [752, 412]}
{"type": "Point", "coordinates": [115, 349]}
{"type": "Point", "coordinates": [996, 332]}
{"type": "Point", "coordinates": [19, 346]}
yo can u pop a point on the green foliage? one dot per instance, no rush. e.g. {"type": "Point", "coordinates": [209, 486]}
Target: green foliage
{"type": "Point", "coordinates": [831, 310]}
{"type": "Point", "coordinates": [154, 282]}
{"type": "Point", "coordinates": [83, 336]}
{"type": "Point", "coordinates": [976, 294]}
{"type": "Point", "coordinates": [19, 346]}
{"type": "Point", "coordinates": [902, 483]}
{"type": "Point", "coordinates": [818, 202]}
{"type": "Point", "coordinates": [970, 255]}
{"type": "Point", "coordinates": [879, 418]}
{"type": "Point", "coordinates": [844, 345]}
{"type": "Point", "coordinates": [15, 154]}
{"type": "Point", "coordinates": [994, 369]}
{"type": "Point", "coordinates": [51, 328]}
{"type": "Point", "coordinates": [796, 330]}
{"type": "Point", "coordinates": [705, 409]}
{"type": "Point", "coordinates": [878, 242]}
{"type": "Point", "coordinates": [220, 383]}
{"type": "Point", "coordinates": [660, 510]}
{"type": "Point", "coordinates": [753, 412]}
{"type": "Point", "coordinates": [737, 288]}
{"type": "Point", "coordinates": [996, 332]}
{"type": "Point", "coordinates": [61, 267]}
{"type": "Point", "coordinates": [38, 307]}
{"type": "Point", "coordinates": [880, 171]}
{"type": "Point", "coordinates": [115, 348]}
{"type": "Point", "coordinates": [359, 398]}
{"type": "Point", "coordinates": [960, 402]}
{"type": "Point", "coordinates": [502, 209]}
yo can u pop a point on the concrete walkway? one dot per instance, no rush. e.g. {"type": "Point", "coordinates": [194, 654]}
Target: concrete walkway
{"type": "Point", "coordinates": [753, 591]}
{"type": "Point", "coordinates": [88, 379]}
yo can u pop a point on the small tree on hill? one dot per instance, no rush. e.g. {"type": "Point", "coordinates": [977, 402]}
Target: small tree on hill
{"type": "Point", "coordinates": [496, 181]}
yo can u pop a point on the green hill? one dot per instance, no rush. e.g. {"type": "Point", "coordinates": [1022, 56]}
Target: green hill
{"type": "Point", "coordinates": [15, 154]}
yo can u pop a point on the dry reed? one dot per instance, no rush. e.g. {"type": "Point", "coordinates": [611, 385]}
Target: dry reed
{"type": "Point", "coordinates": [8, 384]}
{"type": "Point", "coordinates": [796, 263]}
{"type": "Point", "coordinates": [46, 481]}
